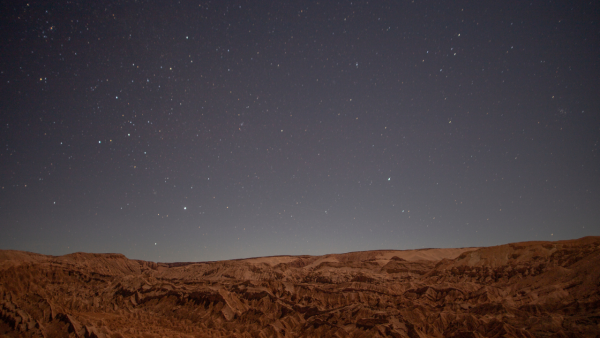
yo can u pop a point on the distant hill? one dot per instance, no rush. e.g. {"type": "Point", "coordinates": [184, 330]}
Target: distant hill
{"type": "Point", "coordinates": [528, 289]}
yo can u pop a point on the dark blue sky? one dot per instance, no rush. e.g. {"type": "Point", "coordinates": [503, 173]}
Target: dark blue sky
{"type": "Point", "coordinates": [200, 131]}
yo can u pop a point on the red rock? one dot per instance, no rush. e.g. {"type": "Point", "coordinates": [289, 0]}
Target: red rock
{"type": "Point", "coordinates": [528, 289]}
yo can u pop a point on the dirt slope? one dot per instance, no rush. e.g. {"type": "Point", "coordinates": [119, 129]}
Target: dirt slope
{"type": "Point", "coordinates": [529, 289]}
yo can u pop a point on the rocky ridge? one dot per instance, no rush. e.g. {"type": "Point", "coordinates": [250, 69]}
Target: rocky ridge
{"type": "Point", "coordinates": [529, 289]}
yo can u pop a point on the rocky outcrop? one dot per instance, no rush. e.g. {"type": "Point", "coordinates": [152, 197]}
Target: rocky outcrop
{"type": "Point", "coordinates": [530, 289]}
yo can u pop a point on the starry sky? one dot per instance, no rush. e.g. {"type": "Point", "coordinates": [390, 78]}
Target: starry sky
{"type": "Point", "coordinates": [195, 131]}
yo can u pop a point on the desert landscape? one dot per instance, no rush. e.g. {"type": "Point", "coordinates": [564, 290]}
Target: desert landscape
{"type": "Point", "coordinates": [528, 289]}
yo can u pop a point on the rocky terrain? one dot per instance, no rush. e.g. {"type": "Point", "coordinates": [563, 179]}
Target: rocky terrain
{"type": "Point", "coordinates": [530, 289]}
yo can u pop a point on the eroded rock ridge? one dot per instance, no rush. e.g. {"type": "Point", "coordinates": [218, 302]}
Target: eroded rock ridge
{"type": "Point", "coordinates": [530, 289]}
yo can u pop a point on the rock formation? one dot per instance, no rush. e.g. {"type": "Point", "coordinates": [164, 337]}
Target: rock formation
{"type": "Point", "coordinates": [530, 289]}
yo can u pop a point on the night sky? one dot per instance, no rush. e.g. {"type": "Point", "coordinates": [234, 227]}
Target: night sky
{"type": "Point", "coordinates": [194, 131]}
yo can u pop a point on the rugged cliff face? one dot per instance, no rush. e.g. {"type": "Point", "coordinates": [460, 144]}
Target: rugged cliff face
{"type": "Point", "coordinates": [531, 289]}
